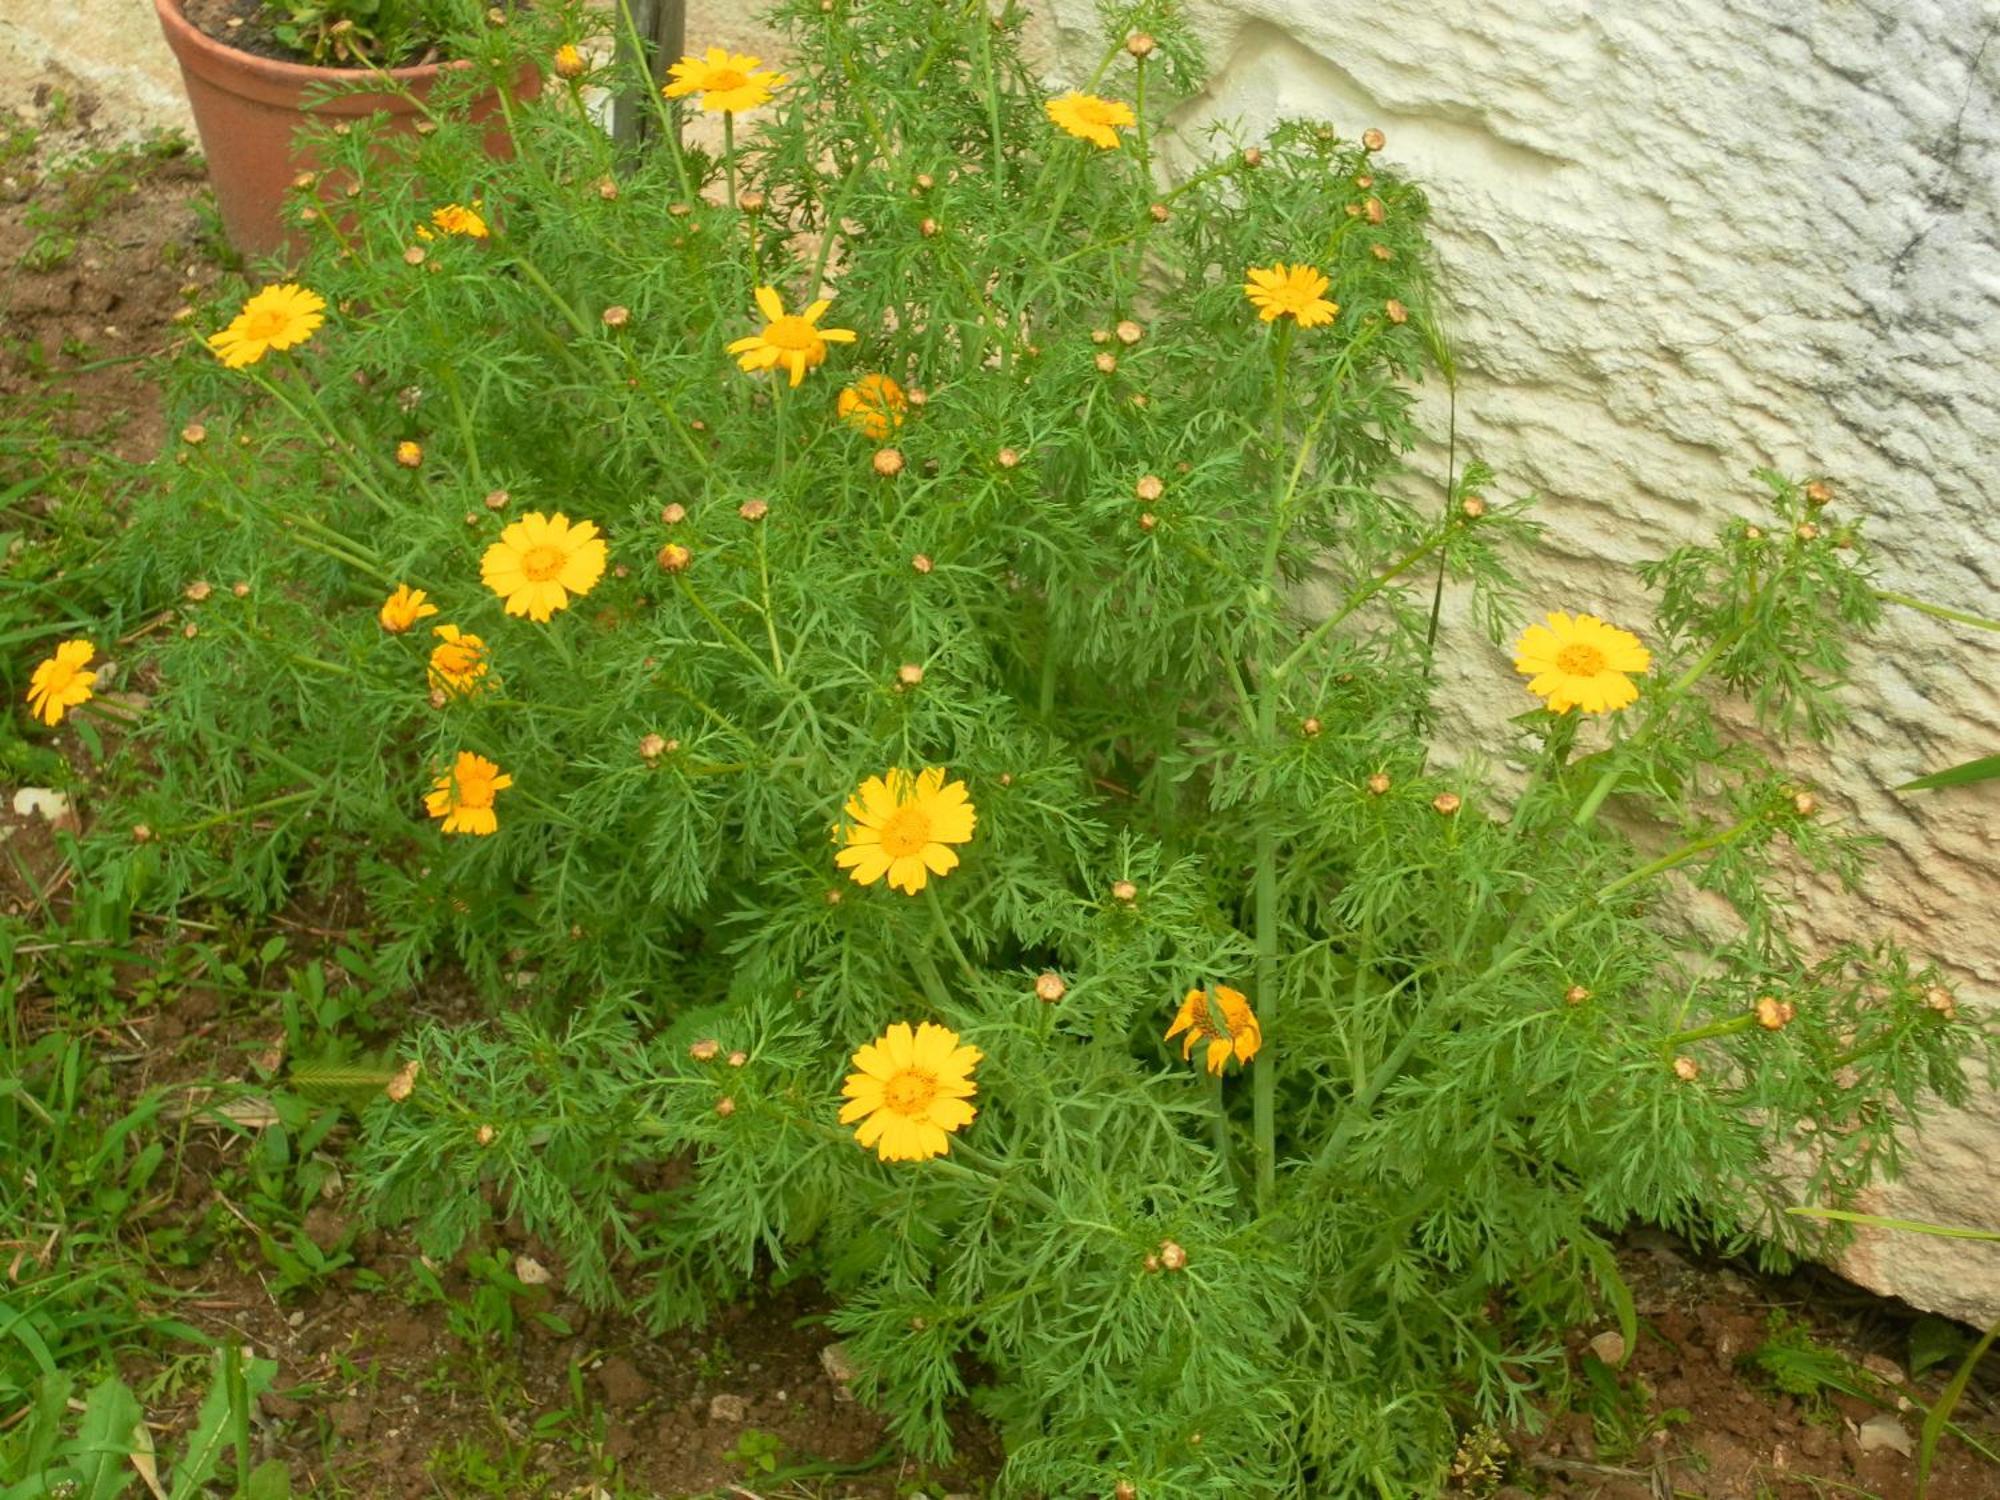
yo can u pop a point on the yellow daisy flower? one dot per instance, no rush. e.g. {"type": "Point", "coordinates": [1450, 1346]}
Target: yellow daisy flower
{"type": "Point", "coordinates": [1578, 661]}
{"type": "Point", "coordinates": [458, 661]}
{"type": "Point", "coordinates": [793, 340]}
{"type": "Point", "coordinates": [456, 218]}
{"type": "Point", "coordinates": [726, 81]}
{"type": "Point", "coordinates": [540, 561]}
{"type": "Point", "coordinates": [875, 404]}
{"type": "Point", "coordinates": [912, 1090]}
{"type": "Point", "coordinates": [1290, 291]}
{"type": "Point", "coordinates": [902, 826]}
{"type": "Point", "coordinates": [403, 609]}
{"type": "Point", "coordinates": [60, 683]}
{"type": "Point", "coordinates": [1234, 1031]}
{"type": "Point", "coordinates": [464, 798]}
{"type": "Point", "coordinates": [275, 318]}
{"type": "Point", "coordinates": [1090, 118]}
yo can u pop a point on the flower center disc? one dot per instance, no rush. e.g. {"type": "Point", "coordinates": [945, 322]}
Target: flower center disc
{"type": "Point", "coordinates": [267, 324]}
{"type": "Point", "coordinates": [475, 791]}
{"type": "Point", "coordinates": [906, 832]}
{"type": "Point", "coordinates": [909, 1092]}
{"type": "Point", "coordinates": [722, 80]}
{"type": "Point", "coordinates": [540, 564]}
{"type": "Point", "coordinates": [1580, 661]}
{"type": "Point", "coordinates": [791, 332]}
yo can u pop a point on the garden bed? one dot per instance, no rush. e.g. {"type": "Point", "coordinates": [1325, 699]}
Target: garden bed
{"type": "Point", "coordinates": [481, 1376]}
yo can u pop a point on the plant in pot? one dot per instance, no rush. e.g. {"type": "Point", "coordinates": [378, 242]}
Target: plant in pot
{"type": "Point", "coordinates": [256, 71]}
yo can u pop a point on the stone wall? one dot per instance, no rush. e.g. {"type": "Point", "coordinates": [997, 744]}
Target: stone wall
{"type": "Point", "coordinates": [1682, 239]}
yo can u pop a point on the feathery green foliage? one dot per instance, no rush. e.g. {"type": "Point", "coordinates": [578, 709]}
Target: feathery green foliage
{"type": "Point", "coordinates": [1082, 585]}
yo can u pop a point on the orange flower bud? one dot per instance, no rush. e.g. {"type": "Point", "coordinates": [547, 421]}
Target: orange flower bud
{"type": "Point", "coordinates": [675, 558]}
{"type": "Point", "coordinates": [888, 462]}
{"type": "Point", "coordinates": [1446, 803]}
{"type": "Point", "coordinates": [1049, 988]}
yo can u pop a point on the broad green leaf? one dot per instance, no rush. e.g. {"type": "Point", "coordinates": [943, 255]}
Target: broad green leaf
{"type": "Point", "coordinates": [102, 1449]}
{"type": "Point", "coordinates": [1984, 769]}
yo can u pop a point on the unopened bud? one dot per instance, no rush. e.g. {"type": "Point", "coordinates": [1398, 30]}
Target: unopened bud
{"type": "Point", "coordinates": [1364, 181]}
{"type": "Point", "coordinates": [1149, 487]}
{"type": "Point", "coordinates": [1472, 507]}
{"type": "Point", "coordinates": [1007, 458]}
{"type": "Point", "coordinates": [194, 433]}
{"type": "Point", "coordinates": [1378, 784]}
{"type": "Point", "coordinates": [409, 454]}
{"type": "Point", "coordinates": [1446, 803]}
{"type": "Point", "coordinates": [1819, 493]}
{"type": "Point", "coordinates": [1140, 44]}
{"type": "Point", "coordinates": [705, 1050]}
{"type": "Point", "coordinates": [1395, 311]}
{"type": "Point", "coordinates": [922, 562]}
{"type": "Point", "coordinates": [673, 514]}
{"type": "Point", "coordinates": [754, 510]}
{"type": "Point", "coordinates": [1252, 157]}
{"type": "Point", "coordinates": [1753, 533]}
{"type": "Point", "coordinates": [675, 558]}
{"type": "Point", "coordinates": [928, 228]}
{"type": "Point", "coordinates": [1125, 891]}
{"type": "Point", "coordinates": [197, 591]}
{"type": "Point", "coordinates": [1172, 1256]}
{"type": "Point", "coordinates": [725, 1106]}
{"type": "Point", "coordinates": [738, 1059]}
{"type": "Point", "coordinates": [1147, 520]}
{"type": "Point", "coordinates": [416, 255]}
{"type": "Point", "coordinates": [240, 590]}
{"type": "Point", "coordinates": [141, 834]}
{"type": "Point", "coordinates": [1129, 332]}
{"type": "Point", "coordinates": [1576, 994]}
{"type": "Point", "coordinates": [1151, 1263]}
{"type": "Point", "coordinates": [925, 182]}
{"type": "Point", "coordinates": [1311, 728]}
{"type": "Point", "coordinates": [888, 462]}
{"type": "Point", "coordinates": [1125, 1489]}
{"type": "Point", "coordinates": [1373, 140]}
{"type": "Point", "coordinates": [1381, 252]}
{"type": "Point", "coordinates": [1805, 804]}
{"type": "Point", "coordinates": [437, 698]}
{"type": "Point", "coordinates": [607, 189]}
{"type": "Point", "coordinates": [484, 1135]}
{"type": "Point", "coordinates": [652, 747]}
{"type": "Point", "coordinates": [1106, 363]}
{"type": "Point", "coordinates": [1686, 1069]}
{"type": "Point", "coordinates": [497, 499]}
{"type": "Point", "coordinates": [833, 896]}
{"type": "Point", "coordinates": [909, 674]}
{"type": "Point", "coordinates": [751, 202]}
{"type": "Point", "coordinates": [1159, 213]}
{"type": "Point", "coordinates": [1806, 531]}
{"type": "Point", "coordinates": [1050, 988]}
{"type": "Point", "coordinates": [616, 316]}
{"type": "Point", "coordinates": [1773, 1013]}
{"type": "Point", "coordinates": [1374, 211]}
{"type": "Point", "coordinates": [569, 61]}
{"type": "Point", "coordinates": [1939, 999]}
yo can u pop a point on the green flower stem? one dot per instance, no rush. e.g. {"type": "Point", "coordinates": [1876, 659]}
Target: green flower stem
{"type": "Point", "coordinates": [930, 981]}
{"type": "Point", "coordinates": [320, 422]}
{"type": "Point", "coordinates": [268, 805]}
{"type": "Point", "coordinates": [670, 128]}
{"type": "Point", "coordinates": [1734, 1026]}
{"type": "Point", "coordinates": [1680, 856]}
{"type": "Point", "coordinates": [729, 154]}
{"type": "Point", "coordinates": [992, 109]}
{"type": "Point", "coordinates": [770, 616]}
{"type": "Point", "coordinates": [1938, 611]}
{"type": "Point", "coordinates": [1360, 597]}
{"type": "Point", "coordinates": [466, 434]}
{"type": "Point", "coordinates": [945, 932]}
{"type": "Point", "coordinates": [1063, 190]}
{"type": "Point", "coordinates": [1676, 690]}
{"type": "Point", "coordinates": [741, 646]}
{"type": "Point", "coordinates": [1218, 1124]}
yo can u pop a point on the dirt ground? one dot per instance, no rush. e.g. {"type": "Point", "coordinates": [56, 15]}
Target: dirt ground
{"type": "Point", "coordinates": [482, 1378]}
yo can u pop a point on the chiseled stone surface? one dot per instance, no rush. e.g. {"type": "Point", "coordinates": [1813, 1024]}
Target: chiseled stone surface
{"type": "Point", "coordinates": [1680, 240]}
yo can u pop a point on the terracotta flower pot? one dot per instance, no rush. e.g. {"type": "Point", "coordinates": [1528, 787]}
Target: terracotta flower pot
{"type": "Point", "coordinates": [247, 108]}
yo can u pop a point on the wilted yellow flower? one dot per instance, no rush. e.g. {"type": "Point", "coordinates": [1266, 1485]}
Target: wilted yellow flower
{"type": "Point", "coordinates": [540, 561]}
{"type": "Point", "coordinates": [277, 317]}
{"type": "Point", "coordinates": [1280, 291]}
{"type": "Point", "coordinates": [1578, 661]}
{"type": "Point", "coordinates": [409, 455]}
{"type": "Point", "coordinates": [456, 218]}
{"type": "Point", "coordinates": [875, 404]}
{"type": "Point", "coordinates": [60, 683]}
{"type": "Point", "coordinates": [464, 799]}
{"type": "Point", "coordinates": [903, 826]}
{"type": "Point", "coordinates": [912, 1089]}
{"type": "Point", "coordinates": [1235, 1031]}
{"type": "Point", "coordinates": [726, 81]}
{"type": "Point", "coordinates": [1090, 118]}
{"type": "Point", "coordinates": [458, 661]}
{"type": "Point", "coordinates": [793, 340]}
{"type": "Point", "coordinates": [404, 608]}
{"type": "Point", "coordinates": [569, 62]}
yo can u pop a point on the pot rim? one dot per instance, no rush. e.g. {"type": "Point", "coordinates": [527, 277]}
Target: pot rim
{"type": "Point", "coordinates": [193, 46]}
